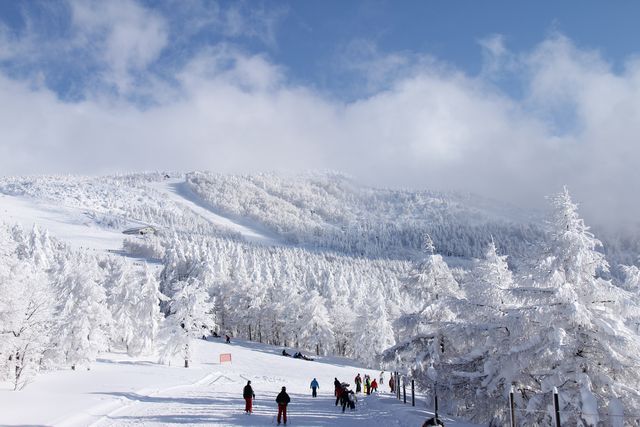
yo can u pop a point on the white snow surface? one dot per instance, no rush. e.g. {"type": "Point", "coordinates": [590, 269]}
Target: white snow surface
{"type": "Point", "coordinates": [72, 225]}
{"type": "Point", "coordinates": [120, 391]}
{"type": "Point", "coordinates": [178, 191]}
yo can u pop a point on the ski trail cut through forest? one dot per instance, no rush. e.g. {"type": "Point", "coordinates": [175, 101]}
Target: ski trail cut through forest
{"type": "Point", "coordinates": [178, 191]}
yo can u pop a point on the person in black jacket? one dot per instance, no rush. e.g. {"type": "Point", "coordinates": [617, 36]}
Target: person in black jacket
{"type": "Point", "coordinates": [282, 400]}
{"type": "Point", "coordinates": [248, 398]}
{"type": "Point", "coordinates": [337, 389]}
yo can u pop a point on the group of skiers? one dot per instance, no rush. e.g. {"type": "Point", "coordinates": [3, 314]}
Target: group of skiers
{"type": "Point", "coordinates": [369, 385]}
{"type": "Point", "coordinates": [344, 396]}
{"type": "Point", "coordinates": [282, 400]}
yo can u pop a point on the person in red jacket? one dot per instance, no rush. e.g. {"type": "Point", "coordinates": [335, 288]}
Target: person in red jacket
{"type": "Point", "coordinates": [374, 385]}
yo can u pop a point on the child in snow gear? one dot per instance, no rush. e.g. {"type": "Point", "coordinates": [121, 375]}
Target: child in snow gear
{"type": "Point", "coordinates": [352, 400]}
{"type": "Point", "coordinates": [381, 378]}
{"type": "Point", "coordinates": [314, 387]}
{"type": "Point", "coordinates": [367, 384]}
{"type": "Point", "coordinates": [336, 391]}
{"type": "Point", "coordinates": [282, 400]}
{"type": "Point", "coordinates": [374, 385]}
{"type": "Point", "coordinates": [358, 382]}
{"type": "Point", "coordinates": [227, 339]}
{"type": "Point", "coordinates": [284, 353]}
{"type": "Point", "coordinates": [248, 397]}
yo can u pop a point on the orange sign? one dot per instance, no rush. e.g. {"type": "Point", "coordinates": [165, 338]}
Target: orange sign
{"type": "Point", "coordinates": [225, 357]}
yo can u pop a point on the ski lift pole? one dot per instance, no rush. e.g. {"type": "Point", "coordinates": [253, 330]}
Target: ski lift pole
{"type": "Point", "coordinates": [404, 390]}
{"type": "Point", "coordinates": [556, 406]}
{"type": "Point", "coordinates": [435, 400]}
{"type": "Point", "coordinates": [512, 407]}
{"type": "Point", "coordinates": [413, 393]}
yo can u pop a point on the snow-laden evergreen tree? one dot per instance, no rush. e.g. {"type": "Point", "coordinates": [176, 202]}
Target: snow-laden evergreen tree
{"type": "Point", "coordinates": [84, 318]}
{"type": "Point", "coordinates": [491, 284]}
{"type": "Point", "coordinates": [316, 331]}
{"type": "Point", "coordinates": [190, 317]}
{"type": "Point", "coordinates": [149, 317]}
{"type": "Point", "coordinates": [26, 319]}
{"type": "Point", "coordinates": [631, 278]}
{"type": "Point", "coordinates": [374, 330]}
{"type": "Point", "coordinates": [433, 293]}
{"type": "Point", "coordinates": [122, 303]}
{"type": "Point", "coordinates": [576, 337]}
{"type": "Point", "coordinates": [134, 300]}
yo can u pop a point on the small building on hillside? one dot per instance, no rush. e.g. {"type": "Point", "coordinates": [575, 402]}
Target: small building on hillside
{"type": "Point", "coordinates": [141, 231]}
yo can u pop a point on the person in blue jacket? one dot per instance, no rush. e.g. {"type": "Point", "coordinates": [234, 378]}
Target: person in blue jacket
{"type": "Point", "coordinates": [314, 387]}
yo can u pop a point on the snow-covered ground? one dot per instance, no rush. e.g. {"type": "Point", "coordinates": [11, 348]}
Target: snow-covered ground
{"type": "Point", "coordinates": [119, 390]}
{"type": "Point", "coordinates": [68, 224]}
{"type": "Point", "coordinates": [177, 190]}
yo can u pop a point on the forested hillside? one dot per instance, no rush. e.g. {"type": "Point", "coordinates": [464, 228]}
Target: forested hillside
{"type": "Point", "coordinates": [460, 291]}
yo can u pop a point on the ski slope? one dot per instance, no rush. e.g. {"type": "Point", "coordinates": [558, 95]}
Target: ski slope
{"type": "Point", "coordinates": [176, 189]}
{"type": "Point", "coordinates": [122, 391]}
{"type": "Point", "coordinates": [68, 224]}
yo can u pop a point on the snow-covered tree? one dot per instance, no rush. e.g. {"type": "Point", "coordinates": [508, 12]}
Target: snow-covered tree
{"type": "Point", "coordinates": [149, 317]}
{"type": "Point", "coordinates": [375, 334]}
{"type": "Point", "coordinates": [316, 331]}
{"type": "Point", "coordinates": [26, 312]}
{"type": "Point", "coordinates": [189, 318]}
{"type": "Point", "coordinates": [84, 319]}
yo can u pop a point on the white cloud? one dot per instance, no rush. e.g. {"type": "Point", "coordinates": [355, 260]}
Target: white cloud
{"type": "Point", "coordinates": [126, 36]}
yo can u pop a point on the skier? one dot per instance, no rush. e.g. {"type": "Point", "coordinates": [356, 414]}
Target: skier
{"type": "Point", "coordinates": [314, 387]}
{"type": "Point", "coordinates": [381, 378]}
{"type": "Point", "coordinates": [392, 383]}
{"type": "Point", "coordinates": [344, 397]}
{"type": "Point", "coordinates": [336, 391]}
{"type": "Point", "coordinates": [284, 353]}
{"type": "Point", "coordinates": [358, 382]}
{"type": "Point", "coordinates": [282, 400]}
{"type": "Point", "coordinates": [248, 395]}
{"type": "Point", "coordinates": [227, 339]}
{"type": "Point", "coordinates": [367, 384]}
{"type": "Point", "coordinates": [374, 385]}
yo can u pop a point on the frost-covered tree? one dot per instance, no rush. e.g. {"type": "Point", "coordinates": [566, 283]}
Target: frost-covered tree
{"type": "Point", "coordinates": [26, 319]}
{"type": "Point", "coordinates": [433, 294]}
{"type": "Point", "coordinates": [134, 300]}
{"type": "Point", "coordinates": [578, 339]}
{"type": "Point", "coordinates": [189, 318]}
{"type": "Point", "coordinates": [375, 333]}
{"type": "Point", "coordinates": [149, 317]}
{"type": "Point", "coordinates": [84, 319]}
{"type": "Point", "coordinates": [316, 331]}
{"type": "Point", "coordinates": [122, 303]}
{"type": "Point", "coordinates": [491, 284]}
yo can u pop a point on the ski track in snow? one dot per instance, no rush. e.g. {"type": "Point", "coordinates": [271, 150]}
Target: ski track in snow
{"type": "Point", "coordinates": [178, 191]}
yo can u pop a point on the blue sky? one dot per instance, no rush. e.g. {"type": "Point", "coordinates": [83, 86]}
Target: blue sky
{"type": "Point", "coordinates": [507, 99]}
{"type": "Point", "coordinates": [314, 40]}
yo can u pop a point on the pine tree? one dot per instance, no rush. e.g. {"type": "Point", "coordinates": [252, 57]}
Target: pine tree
{"type": "Point", "coordinates": [189, 318]}
{"type": "Point", "coordinates": [85, 320]}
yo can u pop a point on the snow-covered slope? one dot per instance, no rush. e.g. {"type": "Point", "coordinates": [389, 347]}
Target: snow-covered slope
{"type": "Point", "coordinates": [119, 390]}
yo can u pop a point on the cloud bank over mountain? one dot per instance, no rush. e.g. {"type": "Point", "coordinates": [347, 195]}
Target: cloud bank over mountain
{"type": "Point", "coordinates": [528, 123]}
